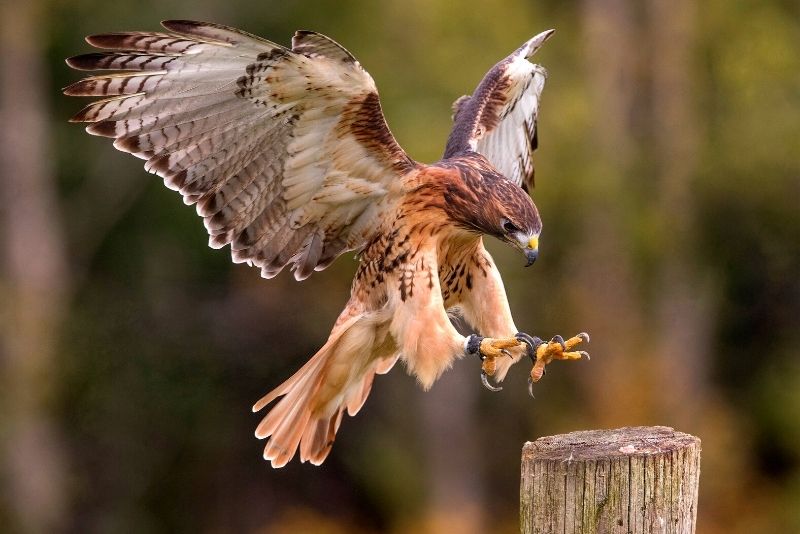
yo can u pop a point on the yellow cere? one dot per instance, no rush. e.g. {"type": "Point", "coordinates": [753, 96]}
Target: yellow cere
{"type": "Point", "coordinates": [533, 243]}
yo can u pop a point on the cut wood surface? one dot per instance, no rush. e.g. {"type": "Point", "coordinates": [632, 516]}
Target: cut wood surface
{"type": "Point", "coordinates": [628, 480]}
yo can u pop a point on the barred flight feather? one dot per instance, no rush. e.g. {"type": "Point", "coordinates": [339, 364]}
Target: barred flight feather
{"type": "Point", "coordinates": [499, 120]}
{"type": "Point", "coordinates": [165, 43]}
{"type": "Point", "coordinates": [313, 44]}
{"type": "Point", "coordinates": [274, 146]}
{"type": "Point", "coordinates": [286, 155]}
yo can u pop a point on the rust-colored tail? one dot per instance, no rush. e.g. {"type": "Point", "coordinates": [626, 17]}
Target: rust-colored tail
{"type": "Point", "coordinates": [314, 400]}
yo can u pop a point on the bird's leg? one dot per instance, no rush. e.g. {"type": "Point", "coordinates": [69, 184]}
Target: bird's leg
{"type": "Point", "coordinates": [488, 350]}
{"type": "Point", "coordinates": [542, 353]}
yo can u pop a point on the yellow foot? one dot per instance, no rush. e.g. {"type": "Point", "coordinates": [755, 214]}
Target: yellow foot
{"type": "Point", "coordinates": [556, 349]}
{"type": "Point", "coordinates": [489, 349]}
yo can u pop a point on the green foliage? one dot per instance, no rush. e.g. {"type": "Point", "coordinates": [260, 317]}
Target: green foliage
{"type": "Point", "coordinates": [167, 344]}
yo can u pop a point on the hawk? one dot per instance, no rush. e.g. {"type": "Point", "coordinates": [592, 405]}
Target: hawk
{"type": "Point", "coordinates": [287, 157]}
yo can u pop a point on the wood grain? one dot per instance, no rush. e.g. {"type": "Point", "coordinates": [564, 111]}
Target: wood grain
{"type": "Point", "coordinates": [628, 480]}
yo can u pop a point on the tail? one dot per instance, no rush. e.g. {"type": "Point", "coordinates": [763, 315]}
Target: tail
{"type": "Point", "coordinates": [314, 399]}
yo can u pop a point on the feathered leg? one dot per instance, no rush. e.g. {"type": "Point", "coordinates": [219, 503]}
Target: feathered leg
{"type": "Point", "coordinates": [486, 307]}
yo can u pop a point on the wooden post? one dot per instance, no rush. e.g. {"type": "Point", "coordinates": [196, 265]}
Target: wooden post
{"type": "Point", "coordinates": [632, 480]}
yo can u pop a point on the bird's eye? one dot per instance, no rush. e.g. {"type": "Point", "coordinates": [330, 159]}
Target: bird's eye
{"type": "Point", "coordinates": [509, 227]}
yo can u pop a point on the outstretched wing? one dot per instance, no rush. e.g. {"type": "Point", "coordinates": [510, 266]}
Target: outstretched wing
{"type": "Point", "coordinates": [285, 153]}
{"type": "Point", "coordinates": [499, 120]}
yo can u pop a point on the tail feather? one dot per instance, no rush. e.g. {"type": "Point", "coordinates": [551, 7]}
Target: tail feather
{"type": "Point", "coordinates": [297, 421]}
{"type": "Point", "coordinates": [301, 387]}
{"type": "Point", "coordinates": [285, 424]}
{"type": "Point", "coordinates": [357, 399]}
{"type": "Point", "coordinates": [318, 438]}
{"type": "Point", "coordinates": [305, 373]}
{"type": "Point", "coordinates": [282, 447]}
{"type": "Point", "coordinates": [313, 400]}
{"type": "Point", "coordinates": [385, 365]}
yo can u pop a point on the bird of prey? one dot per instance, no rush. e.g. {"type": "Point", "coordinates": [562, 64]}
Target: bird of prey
{"type": "Point", "coordinates": [286, 155]}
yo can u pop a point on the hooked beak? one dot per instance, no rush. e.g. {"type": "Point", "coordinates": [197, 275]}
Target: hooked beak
{"type": "Point", "coordinates": [531, 250]}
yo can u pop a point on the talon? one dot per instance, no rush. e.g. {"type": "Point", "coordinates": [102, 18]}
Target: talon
{"type": "Point", "coordinates": [537, 372]}
{"type": "Point", "coordinates": [542, 353]}
{"type": "Point", "coordinates": [577, 340]}
{"type": "Point", "coordinates": [488, 350]}
{"type": "Point", "coordinates": [560, 340]}
{"type": "Point", "coordinates": [487, 384]}
{"type": "Point", "coordinates": [532, 343]}
{"type": "Point", "coordinates": [489, 366]}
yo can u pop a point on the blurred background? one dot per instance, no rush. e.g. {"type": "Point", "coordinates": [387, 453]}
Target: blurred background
{"type": "Point", "coordinates": [668, 177]}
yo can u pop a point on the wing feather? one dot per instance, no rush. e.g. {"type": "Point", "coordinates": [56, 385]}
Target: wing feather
{"type": "Point", "coordinates": [313, 44]}
{"type": "Point", "coordinates": [499, 120]}
{"type": "Point", "coordinates": [285, 152]}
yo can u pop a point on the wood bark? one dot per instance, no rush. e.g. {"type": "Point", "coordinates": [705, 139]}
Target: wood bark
{"type": "Point", "coordinates": [630, 480]}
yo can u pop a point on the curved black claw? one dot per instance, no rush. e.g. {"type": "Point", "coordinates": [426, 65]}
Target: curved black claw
{"type": "Point", "coordinates": [560, 340]}
{"type": "Point", "coordinates": [532, 343]}
{"type": "Point", "coordinates": [487, 384]}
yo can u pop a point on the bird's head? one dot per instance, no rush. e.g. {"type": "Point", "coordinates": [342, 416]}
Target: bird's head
{"type": "Point", "coordinates": [515, 220]}
{"type": "Point", "coordinates": [488, 203]}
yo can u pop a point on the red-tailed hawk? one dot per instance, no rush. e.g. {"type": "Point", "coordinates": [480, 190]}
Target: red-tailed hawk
{"type": "Point", "coordinates": [286, 155]}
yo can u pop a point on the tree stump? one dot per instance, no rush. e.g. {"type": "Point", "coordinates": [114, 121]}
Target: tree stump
{"type": "Point", "coordinates": [630, 480]}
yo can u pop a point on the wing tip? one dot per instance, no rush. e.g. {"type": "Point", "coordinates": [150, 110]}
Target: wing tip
{"type": "Point", "coordinates": [82, 115]}
{"type": "Point", "coordinates": [104, 40]}
{"type": "Point", "coordinates": [198, 29]}
{"type": "Point", "coordinates": [75, 88]}
{"type": "Point", "coordinates": [209, 31]}
{"type": "Point", "coordinates": [103, 129]}
{"type": "Point", "coordinates": [83, 61]}
{"type": "Point", "coordinates": [178, 25]}
{"type": "Point", "coordinates": [533, 44]}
